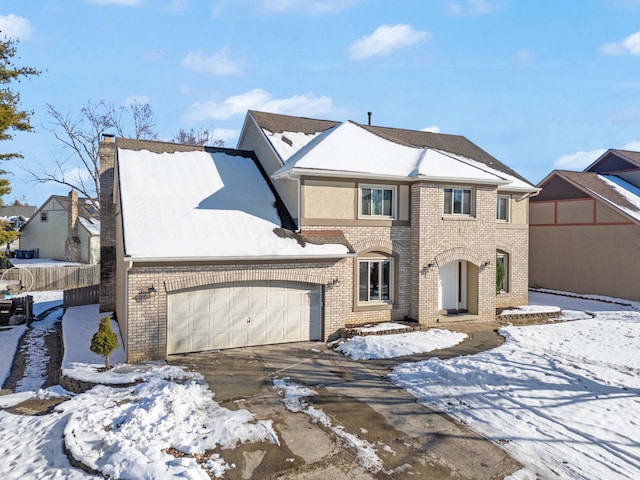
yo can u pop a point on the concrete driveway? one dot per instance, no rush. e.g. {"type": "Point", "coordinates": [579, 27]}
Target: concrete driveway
{"type": "Point", "coordinates": [411, 440]}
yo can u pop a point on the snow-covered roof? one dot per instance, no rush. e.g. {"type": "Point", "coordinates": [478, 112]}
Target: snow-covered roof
{"type": "Point", "coordinates": [629, 192]}
{"type": "Point", "coordinates": [350, 149]}
{"type": "Point", "coordinates": [295, 137]}
{"type": "Point", "coordinates": [91, 224]}
{"type": "Point", "coordinates": [609, 189]}
{"type": "Point", "coordinates": [206, 203]}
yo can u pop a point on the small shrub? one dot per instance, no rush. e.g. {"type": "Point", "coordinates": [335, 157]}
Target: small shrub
{"type": "Point", "coordinates": [104, 341]}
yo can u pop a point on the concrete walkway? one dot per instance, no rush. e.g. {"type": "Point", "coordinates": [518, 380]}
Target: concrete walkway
{"type": "Point", "coordinates": [411, 441]}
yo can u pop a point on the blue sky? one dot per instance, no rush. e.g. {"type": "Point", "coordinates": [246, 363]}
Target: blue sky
{"type": "Point", "coordinates": [539, 84]}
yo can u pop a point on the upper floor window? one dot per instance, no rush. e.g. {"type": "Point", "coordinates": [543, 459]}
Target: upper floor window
{"type": "Point", "coordinates": [375, 280]}
{"type": "Point", "coordinates": [44, 216]}
{"type": "Point", "coordinates": [502, 212]}
{"type": "Point", "coordinates": [458, 201]}
{"type": "Point", "coordinates": [377, 201]}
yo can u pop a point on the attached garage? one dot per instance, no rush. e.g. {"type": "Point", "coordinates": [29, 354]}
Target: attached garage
{"type": "Point", "coordinates": [243, 314]}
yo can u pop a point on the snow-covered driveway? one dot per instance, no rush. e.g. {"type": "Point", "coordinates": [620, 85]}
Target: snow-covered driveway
{"type": "Point", "coordinates": [563, 399]}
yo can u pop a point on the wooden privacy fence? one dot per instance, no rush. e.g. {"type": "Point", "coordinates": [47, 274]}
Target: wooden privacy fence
{"type": "Point", "coordinates": [77, 297]}
{"type": "Point", "coordinates": [63, 277]}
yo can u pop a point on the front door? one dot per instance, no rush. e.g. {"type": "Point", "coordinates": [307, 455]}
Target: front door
{"type": "Point", "coordinates": [452, 286]}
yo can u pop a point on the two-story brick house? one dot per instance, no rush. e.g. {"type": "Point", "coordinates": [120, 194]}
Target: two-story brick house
{"type": "Point", "coordinates": [333, 224]}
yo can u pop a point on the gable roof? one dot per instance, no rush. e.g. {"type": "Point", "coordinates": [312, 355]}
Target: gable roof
{"type": "Point", "coordinates": [199, 203]}
{"type": "Point", "coordinates": [88, 215]}
{"type": "Point", "coordinates": [17, 210]}
{"type": "Point", "coordinates": [609, 189]}
{"type": "Point", "coordinates": [351, 147]}
{"type": "Point", "coordinates": [615, 160]}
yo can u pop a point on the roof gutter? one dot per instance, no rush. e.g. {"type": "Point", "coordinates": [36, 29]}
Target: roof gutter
{"type": "Point", "coordinates": [300, 172]}
{"type": "Point", "coordinates": [133, 260]}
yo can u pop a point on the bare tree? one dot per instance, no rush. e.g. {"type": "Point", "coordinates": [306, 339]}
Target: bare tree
{"type": "Point", "coordinates": [201, 136]}
{"type": "Point", "coordinates": [80, 137]}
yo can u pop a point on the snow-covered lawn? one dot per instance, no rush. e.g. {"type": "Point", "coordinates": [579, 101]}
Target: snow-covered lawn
{"type": "Point", "coordinates": [399, 344]}
{"type": "Point", "coordinates": [563, 399]}
{"type": "Point", "coordinates": [154, 429]}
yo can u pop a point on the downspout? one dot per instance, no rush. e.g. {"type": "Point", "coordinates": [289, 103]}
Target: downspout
{"type": "Point", "coordinates": [126, 307]}
{"type": "Point", "coordinates": [299, 205]}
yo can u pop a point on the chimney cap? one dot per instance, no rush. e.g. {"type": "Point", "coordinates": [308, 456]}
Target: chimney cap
{"type": "Point", "coordinates": [108, 137]}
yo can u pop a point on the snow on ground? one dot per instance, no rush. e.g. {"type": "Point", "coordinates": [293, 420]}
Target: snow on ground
{"type": "Point", "coordinates": [381, 327]}
{"type": "Point", "coordinates": [121, 432]}
{"type": "Point", "coordinates": [42, 262]}
{"type": "Point", "coordinates": [563, 399]}
{"type": "Point", "coordinates": [294, 400]}
{"type": "Point", "coordinates": [397, 345]}
{"type": "Point", "coordinates": [79, 324]}
{"type": "Point", "coordinates": [9, 338]}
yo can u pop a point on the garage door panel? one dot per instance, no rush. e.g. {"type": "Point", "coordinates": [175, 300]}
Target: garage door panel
{"type": "Point", "coordinates": [217, 317]}
{"type": "Point", "coordinates": [201, 324]}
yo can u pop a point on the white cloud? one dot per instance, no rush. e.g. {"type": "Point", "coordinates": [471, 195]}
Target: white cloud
{"type": "Point", "coordinates": [627, 46]}
{"type": "Point", "coordinates": [633, 145]}
{"type": "Point", "coordinates": [432, 129]}
{"type": "Point", "coordinates": [13, 26]}
{"type": "Point", "coordinates": [387, 39]}
{"type": "Point", "coordinates": [228, 135]}
{"type": "Point", "coordinates": [524, 58]}
{"type": "Point", "coordinates": [312, 7]}
{"type": "Point", "coordinates": [307, 104]}
{"type": "Point", "coordinates": [581, 160]}
{"type": "Point", "coordinates": [220, 63]}
{"type": "Point", "coordinates": [473, 8]}
{"type": "Point", "coordinates": [126, 3]}
{"type": "Point", "coordinates": [177, 6]}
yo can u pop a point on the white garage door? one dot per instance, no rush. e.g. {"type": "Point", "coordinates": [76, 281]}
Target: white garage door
{"type": "Point", "coordinates": [243, 314]}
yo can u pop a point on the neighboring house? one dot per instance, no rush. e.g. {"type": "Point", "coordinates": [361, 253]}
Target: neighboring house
{"type": "Point", "coordinates": [64, 228]}
{"type": "Point", "coordinates": [310, 226]}
{"type": "Point", "coordinates": [17, 216]}
{"type": "Point", "coordinates": [585, 228]}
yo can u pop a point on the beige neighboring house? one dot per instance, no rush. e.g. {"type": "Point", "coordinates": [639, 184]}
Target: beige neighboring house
{"type": "Point", "coordinates": [64, 228]}
{"type": "Point", "coordinates": [308, 227]}
{"type": "Point", "coordinates": [585, 228]}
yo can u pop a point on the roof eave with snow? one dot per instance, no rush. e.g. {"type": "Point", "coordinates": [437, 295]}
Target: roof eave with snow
{"type": "Point", "coordinates": [236, 258]}
{"type": "Point", "coordinates": [314, 172]}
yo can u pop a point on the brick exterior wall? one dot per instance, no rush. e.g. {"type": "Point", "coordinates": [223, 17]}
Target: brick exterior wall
{"type": "Point", "coordinates": [107, 227]}
{"type": "Point", "coordinates": [147, 314]}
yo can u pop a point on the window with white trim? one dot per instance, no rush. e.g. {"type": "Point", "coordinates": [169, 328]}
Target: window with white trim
{"type": "Point", "coordinates": [502, 208]}
{"type": "Point", "coordinates": [44, 216]}
{"type": "Point", "coordinates": [375, 283]}
{"type": "Point", "coordinates": [377, 201]}
{"type": "Point", "coordinates": [458, 201]}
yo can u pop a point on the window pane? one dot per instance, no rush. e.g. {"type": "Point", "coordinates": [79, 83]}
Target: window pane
{"type": "Point", "coordinates": [386, 203]}
{"type": "Point", "coordinates": [466, 202]}
{"type": "Point", "coordinates": [366, 201]}
{"type": "Point", "coordinates": [457, 201]}
{"type": "Point", "coordinates": [502, 208]}
{"type": "Point", "coordinates": [447, 200]}
{"type": "Point", "coordinates": [386, 285]}
{"type": "Point", "coordinates": [376, 201]}
{"type": "Point", "coordinates": [363, 282]}
{"type": "Point", "coordinates": [374, 281]}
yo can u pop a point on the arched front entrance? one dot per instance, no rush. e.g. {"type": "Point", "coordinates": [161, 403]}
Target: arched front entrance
{"type": "Point", "coordinates": [458, 287]}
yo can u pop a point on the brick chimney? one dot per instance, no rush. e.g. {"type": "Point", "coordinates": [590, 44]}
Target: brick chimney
{"type": "Point", "coordinates": [72, 244]}
{"type": "Point", "coordinates": [107, 153]}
